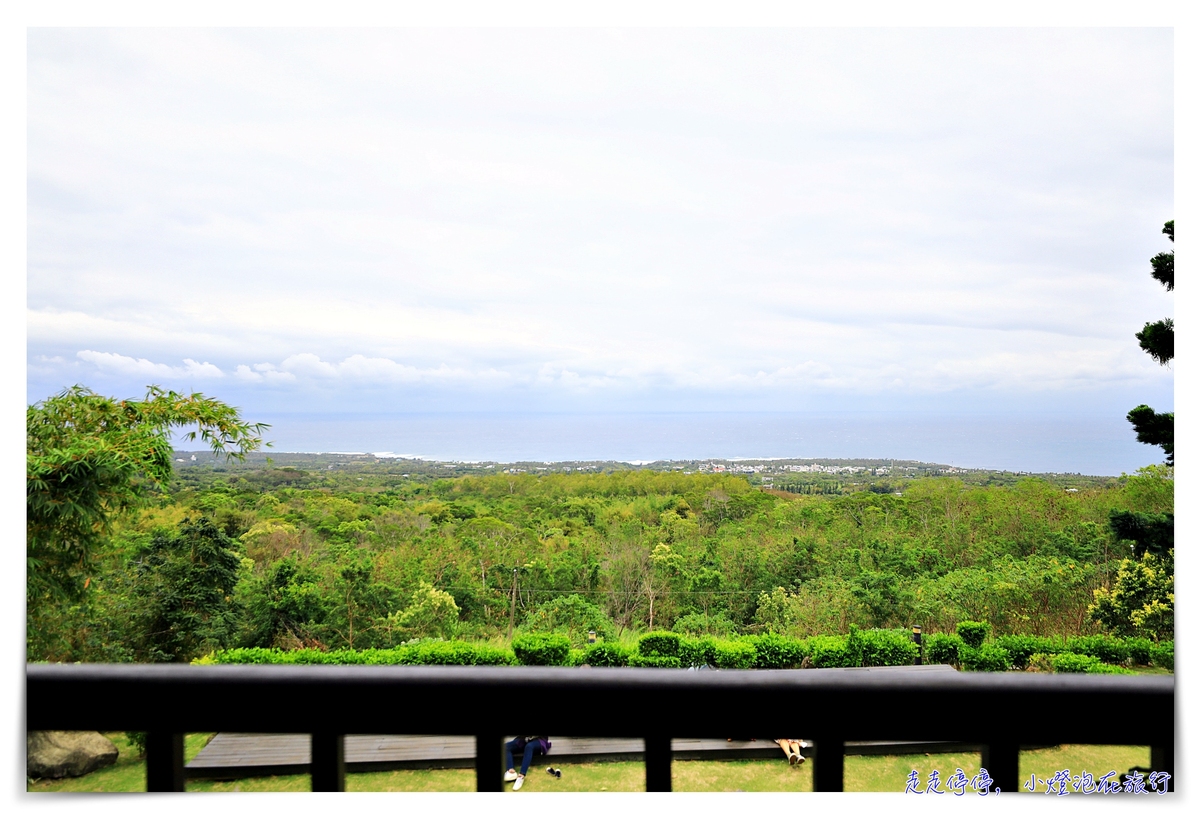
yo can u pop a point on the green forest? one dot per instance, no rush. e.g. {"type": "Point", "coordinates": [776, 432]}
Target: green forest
{"type": "Point", "coordinates": [378, 555]}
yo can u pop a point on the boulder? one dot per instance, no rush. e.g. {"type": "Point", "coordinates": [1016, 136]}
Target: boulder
{"type": "Point", "coordinates": [67, 753]}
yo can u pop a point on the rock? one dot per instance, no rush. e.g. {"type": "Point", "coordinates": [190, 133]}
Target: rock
{"type": "Point", "coordinates": [67, 753]}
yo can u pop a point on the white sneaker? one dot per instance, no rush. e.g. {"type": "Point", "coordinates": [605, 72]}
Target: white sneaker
{"type": "Point", "coordinates": [517, 784]}
{"type": "Point", "coordinates": [511, 775]}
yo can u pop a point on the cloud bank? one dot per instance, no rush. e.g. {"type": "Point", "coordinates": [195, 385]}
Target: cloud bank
{"type": "Point", "coordinates": [622, 219]}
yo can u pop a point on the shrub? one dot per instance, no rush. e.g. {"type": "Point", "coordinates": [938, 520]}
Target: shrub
{"type": "Point", "coordinates": [1162, 654]}
{"type": "Point", "coordinates": [1021, 647]}
{"type": "Point", "coordinates": [888, 648]}
{"type": "Point", "coordinates": [1140, 649]}
{"type": "Point", "coordinates": [973, 633]}
{"type": "Point", "coordinates": [774, 651]}
{"type": "Point", "coordinates": [1105, 648]}
{"type": "Point", "coordinates": [659, 643]}
{"type": "Point", "coordinates": [575, 657]}
{"type": "Point", "coordinates": [943, 648]}
{"type": "Point", "coordinates": [735, 654]}
{"type": "Point", "coordinates": [1101, 667]}
{"type": "Point", "coordinates": [829, 651]}
{"type": "Point", "coordinates": [453, 653]}
{"type": "Point", "coordinates": [637, 660]}
{"type": "Point", "coordinates": [697, 652]}
{"type": "Point", "coordinates": [854, 647]}
{"type": "Point", "coordinates": [606, 654]}
{"type": "Point", "coordinates": [1069, 662]}
{"type": "Point", "coordinates": [990, 658]}
{"type": "Point", "coordinates": [1041, 662]}
{"type": "Point", "coordinates": [542, 649]}
{"type": "Point", "coordinates": [138, 740]}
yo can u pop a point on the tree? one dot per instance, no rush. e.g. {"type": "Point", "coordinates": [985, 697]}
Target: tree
{"type": "Point", "coordinates": [184, 585]}
{"type": "Point", "coordinates": [431, 613]}
{"type": "Point", "coordinates": [1157, 338]}
{"type": "Point", "coordinates": [1141, 601]}
{"type": "Point", "coordinates": [89, 458]}
{"type": "Point", "coordinates": [1149, 533]}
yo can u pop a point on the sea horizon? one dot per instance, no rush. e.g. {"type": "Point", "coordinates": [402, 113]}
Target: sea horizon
{"type": "Point", "coordinates": [1092, 445]}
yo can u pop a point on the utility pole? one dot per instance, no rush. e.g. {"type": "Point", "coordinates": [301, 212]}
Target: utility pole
{"type": "Point", "coordinates": [512, 609]}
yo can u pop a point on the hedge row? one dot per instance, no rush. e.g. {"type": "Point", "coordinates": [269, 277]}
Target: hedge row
{"type": "Point", "coordinates": [421, 653]}
{"type": "Point", "coordinates": [952, 649]}
{"type": "Point", "coordinates": [872, 648]}
{"type": "Point", "coordinates": [859, 648]}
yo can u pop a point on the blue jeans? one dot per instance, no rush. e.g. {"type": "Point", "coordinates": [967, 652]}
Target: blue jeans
{"type": "Point", "coordinates": [515, 745]}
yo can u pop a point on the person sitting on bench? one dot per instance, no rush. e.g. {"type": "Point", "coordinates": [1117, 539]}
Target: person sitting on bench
{"type": "Point", "coordinates": [791, 749]}
{"type": "Point", "coordinates": [529, 745]}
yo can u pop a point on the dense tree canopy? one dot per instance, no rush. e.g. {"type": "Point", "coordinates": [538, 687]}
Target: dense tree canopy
{"type": "Point", "coordinates": [356, 557]}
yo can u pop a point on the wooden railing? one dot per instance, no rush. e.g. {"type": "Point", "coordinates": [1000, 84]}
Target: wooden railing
{"type": "Point", "coordinates": [998, 711]}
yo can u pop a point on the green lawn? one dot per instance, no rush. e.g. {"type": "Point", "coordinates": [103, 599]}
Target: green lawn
{"type": "Point", "coordinates": [863, 773]}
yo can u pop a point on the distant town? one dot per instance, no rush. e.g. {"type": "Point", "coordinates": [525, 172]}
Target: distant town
{"type": "Point", "coordinates": [789, 475]}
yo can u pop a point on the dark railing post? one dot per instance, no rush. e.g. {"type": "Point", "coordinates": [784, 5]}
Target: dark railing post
{"type": "Point", "coordinates": [164, 762]}
{"type": "Point", "coordinates": [489, 763]}
{"type": "Point", "coordinates": [328, 768]}
{"type": "Point", "coordinates": [916, 630]}
{"type": "Point", "coordinates": [658, 764]}
{"type": "Point", "coordinates": [1002, 760]}
{"type": "Point", "coordinates": [829, 764]}
{"type": "Point", "coordinates": [1162, 760]}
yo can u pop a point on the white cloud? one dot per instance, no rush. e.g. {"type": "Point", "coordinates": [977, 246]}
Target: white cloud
{"type": "Point", "coordinates": [141, 367]}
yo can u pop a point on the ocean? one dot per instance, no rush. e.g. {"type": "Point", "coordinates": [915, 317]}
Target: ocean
{"type": "Point", "coordinates": [1067, 444]}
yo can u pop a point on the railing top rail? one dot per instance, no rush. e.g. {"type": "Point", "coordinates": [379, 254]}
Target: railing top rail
{"type": "Point", "coordinates": [854, 703]}
{"type": "Point", "coordinates": [864, 680]}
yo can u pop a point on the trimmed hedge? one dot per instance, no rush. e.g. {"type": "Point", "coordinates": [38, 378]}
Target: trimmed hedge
{"type": "Point", "coordinates": [989, 657]}
{"type": "Point", "coordinates": [973, 633]}
{"type": "Point", "coordinates": [421, 653]}
{"type": "Point", "coordinates": [774, 651]}
{"type": "Point", "coordinates": [829, 651]}
{"type": "Point", "coordinates": [1140, 649]}
{"type": "Point", "coordinates": [697, 651]}
{"type": "Point", "coordinates": [888, 648]}
{"type": "Point", "coordinates": [870, 648]}
{"type": "Point", "coordinates": [735, 654]}
{"type": "Point", "coordinates": [944, 648]}
{"type": "Point", "coordinates": [659, 643]}
{"type": "Point", "coordinates": [1021, 647]}
{"type": "Point", "coordinates": [1162, 654]}
{"type": "Point", "coordinates": [606, 654]}
{"type": "Point", "coordinates": [637, 660]}
{"type": "Point", "coordinates": [1108, 649]}
{"type": "Point", "coordinates": [542, 649]}
{"type": "Point", "coordinates": [1068, 662]}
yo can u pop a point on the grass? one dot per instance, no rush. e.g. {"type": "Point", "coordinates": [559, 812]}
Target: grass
{"type": "Point", "coordinates": [863, 773]}
{"type": "Point", "coordinates": [127, 775]}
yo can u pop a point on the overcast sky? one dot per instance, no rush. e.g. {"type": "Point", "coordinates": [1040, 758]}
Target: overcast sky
{"type": "Point", "coordinates": [617, 220]}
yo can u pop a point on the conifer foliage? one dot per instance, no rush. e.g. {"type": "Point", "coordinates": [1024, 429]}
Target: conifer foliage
{"type": "Point", "coordinates": [1157, 338]}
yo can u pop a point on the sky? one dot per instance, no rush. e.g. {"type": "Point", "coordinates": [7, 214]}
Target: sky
{"type": "Point", "coordinates": [601, 220]}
